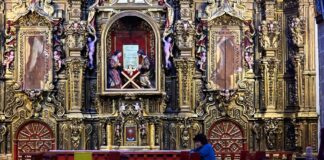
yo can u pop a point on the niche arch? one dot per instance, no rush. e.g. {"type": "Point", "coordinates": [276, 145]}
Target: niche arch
{"type": "Point", "coordinates": [106, 52]}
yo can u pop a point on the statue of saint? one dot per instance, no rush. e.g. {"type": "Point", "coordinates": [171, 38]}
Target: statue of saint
{"type": "Point", "coordinates": [114, 80]}
{"type": "Point", "coordinates": [144, 69]}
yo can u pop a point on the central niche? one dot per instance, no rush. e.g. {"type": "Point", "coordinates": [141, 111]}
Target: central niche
{"type": "Point", "coordinates": [131, 57]}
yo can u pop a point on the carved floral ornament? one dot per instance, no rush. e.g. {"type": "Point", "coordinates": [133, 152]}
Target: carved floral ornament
{"type": "Point", "coordinates": [22, 8]}
{"type": "Point", "coordinates": [297, 30]}
{"type": "Point", "coordinates": [220, 8]}
{"type": "Point", "coordinates": [269, 34]}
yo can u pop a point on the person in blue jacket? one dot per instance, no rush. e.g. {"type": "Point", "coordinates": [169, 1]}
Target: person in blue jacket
{"type": "Point", "coordinates": [202, 147]}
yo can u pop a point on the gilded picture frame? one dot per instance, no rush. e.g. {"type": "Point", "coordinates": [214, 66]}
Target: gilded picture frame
{"type": "Point", "coordinates": [106, 52]}
{"type": "Point", "coordinates": [35, 58]}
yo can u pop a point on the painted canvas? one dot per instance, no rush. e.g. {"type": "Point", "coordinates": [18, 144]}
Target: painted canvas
{"type": "Point", "coordinates": [130, 134]}
{"type": "Point", "coordinates": [38, 62]}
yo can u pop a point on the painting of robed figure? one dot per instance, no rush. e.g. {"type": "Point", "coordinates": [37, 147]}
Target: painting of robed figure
{"type": "Point", "coordinates": [225, 61]}
{"type": "Point", "coordinates": [38, 60]}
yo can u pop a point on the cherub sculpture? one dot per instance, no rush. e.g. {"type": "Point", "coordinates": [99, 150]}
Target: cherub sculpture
{"type": "Point", "coordinates": [9, 58]}
{"type": "Point", "coordinates": [58, 60]}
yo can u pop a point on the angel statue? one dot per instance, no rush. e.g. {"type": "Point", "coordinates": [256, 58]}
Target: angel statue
{"type": "Point", "coordinates": [9, 58]}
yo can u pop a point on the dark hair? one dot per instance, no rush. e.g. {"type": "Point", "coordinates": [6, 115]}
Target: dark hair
{"type": "Point", "coordinates": [200, 138]}
{"type": "Point", "coordinates": [116, 52]}
{"type": "Point", "coordinates": [141, 52]}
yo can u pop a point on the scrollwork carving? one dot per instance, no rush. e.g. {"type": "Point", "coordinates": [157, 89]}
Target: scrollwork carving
{"type": "Point", "coordinates": [184, 32]}
{"type": "Point", "coordinates": [3, 131]}
{"type": "Point", "coordinates": [173, 135]}
{"type": "Point", "coordinates": [118, 134]}
{"type": "Point", "coordinates": [271, 129]}
{"type": "Point", "coordinates": [13, 101]}
{"type": "Point", "coordinates": [41, 7]}
{"type": "Point", "coordinates": [184, 129]}
{"type": "Point", "coordinates": [33, 19]}
{"type": "Point", "coordinates": [297, 30]}
{"type": "Point", "coordinates": [76, 130]}
{"type": "Point", "coordinates": [201, 45]}
{"type": "Point", "coordinates": [88, 131]}
{"type": "Point", "coordinates": [58, 35]}
{"type": "Point", "coordinates": [246, 99]}
{"type": "Point", "coordinates": [10, 46]}
{"type": "Point", "coordinates": [269, 34]}
{"type": "Point", "coordinates": [76, 34]}
{"type": "Point", "coordinates": [248, 44]}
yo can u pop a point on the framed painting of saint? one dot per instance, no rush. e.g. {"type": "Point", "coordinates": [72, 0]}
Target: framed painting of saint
{"type": "Point", "coordinates": [35, 55]}
{"type": "Point", "coordinates": [225, 58]}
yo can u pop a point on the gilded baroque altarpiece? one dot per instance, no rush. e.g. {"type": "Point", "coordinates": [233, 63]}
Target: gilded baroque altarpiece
{"type": "Point", "coordinates": [148, 74]}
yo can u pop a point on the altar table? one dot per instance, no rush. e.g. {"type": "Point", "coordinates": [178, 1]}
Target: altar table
{"type": "Point", "coordinates": [111, 155]}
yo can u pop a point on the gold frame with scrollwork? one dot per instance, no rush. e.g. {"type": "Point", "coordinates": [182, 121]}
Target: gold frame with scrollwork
{"type": "Point", "coordinates": [102, 88]}
{"type": "Point", "coordinates": [23, 33]}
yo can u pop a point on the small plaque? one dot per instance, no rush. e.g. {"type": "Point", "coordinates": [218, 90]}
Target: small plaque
{"type": "Point", "coordinates": [130, 57]}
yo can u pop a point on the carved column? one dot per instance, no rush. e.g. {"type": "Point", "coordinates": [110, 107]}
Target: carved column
{"type": "Point", "coordinates": [76, 69]}
{"type": "Point", "coordinates": [152, 135]}
{"type": "Point", "coordinates": [269, 41]}
{"type": "Point", "coordinates": [185, 64]}
{"type": "Point", "coordinates": [185, 69]}
{"type": "Point", "coordinates": [297, 29]}
{"type": "Point", "coordinates": [298, 63]}
{"type": "Point", "coordinates": [269, 73]}
{"type": "Point", "coordinates": [109, 136]}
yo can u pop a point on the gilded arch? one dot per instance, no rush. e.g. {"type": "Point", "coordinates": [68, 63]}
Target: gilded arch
{"type": "Point", "coordinates": [104, 48]}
